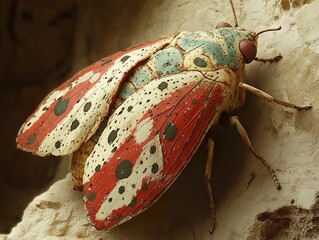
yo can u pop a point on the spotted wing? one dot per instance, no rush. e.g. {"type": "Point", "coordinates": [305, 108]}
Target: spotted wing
{"type": "Point", "coordinates": [148, 142]}
{"type": "Point", "coordinates": [71, 114]}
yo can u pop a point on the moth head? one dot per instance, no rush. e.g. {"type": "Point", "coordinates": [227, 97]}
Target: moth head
{"type": "Point", "coordinates": [246, 42]}
{"type": "Point", "coordinates": [247, 46]}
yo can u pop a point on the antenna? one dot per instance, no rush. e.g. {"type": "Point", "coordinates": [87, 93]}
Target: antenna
{"type": "Point", "coordinates": [268, 30]}
{"type": "Point", "coordinates": [234, 13]}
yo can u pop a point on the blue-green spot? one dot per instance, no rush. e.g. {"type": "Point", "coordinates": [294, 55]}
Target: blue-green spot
{"type": "Point", "coordinates": [162, 85]}
{"type": "Point", "coordinates": [123, 59]}
{"type": "Point", "coordinates": [112, 136]}
{"type": "Point", "coordinates": [97, 168]}
{"type": "Point", "coordinates": [32, 139]}
{"type": "Point", "coordinates": [105, 62]}
{"type": "Point", "coordinates": [92, 196]}
{"type": "Point", "coordinates": [170, 131]}
{"type": "Point", "coordinates": [87, 106]}
{"type": "Point", "coordinates": [155, 168]}
{"type": "Point", "coordinates": [61, 106]}
{"type": "Point", "coordinates": [75, 124]}
{"type": "Point", "coordinates": [199, 62]}
{"type": "Point", "coordinates": [124, 169]}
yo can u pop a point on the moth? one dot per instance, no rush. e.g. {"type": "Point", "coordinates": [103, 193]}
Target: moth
{"type": "Point", "coordinates": [133, 120]}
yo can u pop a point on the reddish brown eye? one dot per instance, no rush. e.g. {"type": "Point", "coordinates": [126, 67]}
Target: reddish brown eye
{"type": "Point", "coordinates": [223, 25]}
{"type": "Point", "coordinates": [248, 50]}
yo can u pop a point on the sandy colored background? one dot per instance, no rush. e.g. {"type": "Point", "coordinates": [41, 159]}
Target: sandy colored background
{"type": "Point", "coordinates": [45, 42]}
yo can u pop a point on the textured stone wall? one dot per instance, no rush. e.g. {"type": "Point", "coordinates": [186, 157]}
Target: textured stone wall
{"type": "Point", "coordinates": [248, 205]}
{"type": "Point", "coordinates": [36, 48]}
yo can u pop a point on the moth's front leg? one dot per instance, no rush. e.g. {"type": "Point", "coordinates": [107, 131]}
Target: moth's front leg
{"type": "Point", "coordinates": [270, 98]}
{"type": "Point", "coordinates": [208, 176]}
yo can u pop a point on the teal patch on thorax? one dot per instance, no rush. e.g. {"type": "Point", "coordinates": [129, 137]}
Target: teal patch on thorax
{"type": "Point", "coordinates": [141, 77]}
{"type": "Point", "coordinates": [219, 45]}
{"type": "Point", "coordinates": [126, 90]}
{"type": "Point", "coordinates": [168, 61]}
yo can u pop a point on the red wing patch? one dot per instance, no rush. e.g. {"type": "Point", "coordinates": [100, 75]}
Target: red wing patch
{"type": "Point", "coordinates": [71, 114]}
{"type": "Point", "coordinates": [142, 152]}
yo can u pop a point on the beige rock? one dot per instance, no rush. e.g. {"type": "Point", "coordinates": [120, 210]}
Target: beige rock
{"type": "Point", "coordinates": [247, 208]}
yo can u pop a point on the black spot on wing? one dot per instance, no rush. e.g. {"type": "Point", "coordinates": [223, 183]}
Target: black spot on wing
{"type": "Point", "coordinates": [170, 131]}
{"type": "Point", "coordinates": [61, 106]}
{"type": "Point", "coordinates": [124, 169]}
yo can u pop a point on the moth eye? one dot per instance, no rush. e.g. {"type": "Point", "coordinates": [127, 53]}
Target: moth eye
{"type": "Point", "coordinates": [248, 49]}
{"type": "Point", "coordinates": [223, 25]}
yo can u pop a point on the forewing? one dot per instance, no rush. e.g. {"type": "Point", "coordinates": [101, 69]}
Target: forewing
{"type": "Point", "coordinates": [148, 142]}
{"type": "Point", "coordinates": [71, 114]}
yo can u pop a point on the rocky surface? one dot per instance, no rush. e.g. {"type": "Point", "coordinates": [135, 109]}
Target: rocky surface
{"type": "Point", "coordinates": [248, 205]}
{"type": "Point", "coordinates": [36, 48]}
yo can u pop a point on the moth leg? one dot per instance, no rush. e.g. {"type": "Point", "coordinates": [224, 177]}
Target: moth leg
{"type": "Point", "coordinates": [270, 98]}
{"type": "Point", "coordinates": [208, 175]}
{"type": "Point", "coordinates": [243, 134]}
{"type": "Point", "coordinates": [270, 60]}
